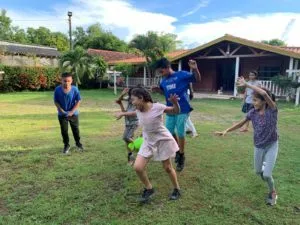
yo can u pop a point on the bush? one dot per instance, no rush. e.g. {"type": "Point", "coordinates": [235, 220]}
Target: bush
{"type": "Point", "coordinates": [29, 78]}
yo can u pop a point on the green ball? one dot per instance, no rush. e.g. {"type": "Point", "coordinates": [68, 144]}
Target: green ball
{"type": "Point", "coordinates": [136, 144]}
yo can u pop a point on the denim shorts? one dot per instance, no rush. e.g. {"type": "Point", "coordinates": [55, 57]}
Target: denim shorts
{"type": "Point", "coordinates": [177, 121]}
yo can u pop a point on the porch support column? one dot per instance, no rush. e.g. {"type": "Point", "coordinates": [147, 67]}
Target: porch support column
{"type": "Point", "coordinates": [179, 65]}
{"type": "Point", "coordinates": [297, 93]}
{"type": "Point", "coordinates": [237, 68]}
{"type": "Point", "coordinates": [295, 68]}
{"type": "Point", "coordinates": [290, 73]}
{"type": "Point", "coordinates": [145, 73]}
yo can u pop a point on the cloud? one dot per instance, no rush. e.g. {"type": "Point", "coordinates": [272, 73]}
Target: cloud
{"type": "Point", "coordinates": [252, 27]}
{"type": "Point", "coordinates": [111, 14]}
{"type": "Point", "coordinates": [202, 4]}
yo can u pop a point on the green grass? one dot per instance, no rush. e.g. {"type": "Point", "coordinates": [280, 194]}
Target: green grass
{"type": "Point", "coordinates": [39, 185]}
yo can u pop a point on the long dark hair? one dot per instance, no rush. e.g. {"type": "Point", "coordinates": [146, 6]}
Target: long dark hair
{"type": "Point", "coordinates": [259, 96]}
{"type": "Point", "coordinates": [142, 93]}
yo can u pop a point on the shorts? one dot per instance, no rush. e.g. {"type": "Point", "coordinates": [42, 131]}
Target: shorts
{"type": "Point", "coordinates": [177, 121]}
{"type": "Point", "coordinates": [246, 107]}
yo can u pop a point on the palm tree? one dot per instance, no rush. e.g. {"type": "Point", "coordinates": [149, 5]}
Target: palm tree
{"type": "Point", "coordinates": [78, 62]}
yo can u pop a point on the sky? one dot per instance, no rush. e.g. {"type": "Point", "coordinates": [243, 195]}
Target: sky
{"type": "Point", "coordinates": [195, 22]}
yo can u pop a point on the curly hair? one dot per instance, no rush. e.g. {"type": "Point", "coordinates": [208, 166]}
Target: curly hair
{"type": "Point", "coordinates": [142, 93]}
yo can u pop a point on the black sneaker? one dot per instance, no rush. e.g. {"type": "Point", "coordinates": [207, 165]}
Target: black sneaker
{"type": "Point", "coordinates": [130, 158]}
{"type": "Point", "coordinates": [177, 157]}
{"type": "Point", "coordinates": [175, 194]}
{"type": "Point", "coordinates": [66, 149]}
{"type": "Point", "coordinates": [80, 147]}
{"type": "Point", "coordinates": [180, 163]}
{"type": "Point", "coordinates": [147, 194]}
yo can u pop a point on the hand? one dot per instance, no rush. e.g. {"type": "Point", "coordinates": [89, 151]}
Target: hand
{"type": "Point", "coordinates": [154, 88]}
{"type": "Point", "coordinates": [221, 133]}
{"type": "Point", "coordinates": [173, 99]}
{"type": "Point", "coordinates": [69, 114]}
{"type": "Point", "coordinates": [125, 91]}
{"type": "Point", "coordinates": [118, 115]}
{"type": "Point", "coordinates": [241, 82]}
{"type": "Point", "coordinates": [193, 64]}
{"type": "Point", "coordinates": [118, 101]}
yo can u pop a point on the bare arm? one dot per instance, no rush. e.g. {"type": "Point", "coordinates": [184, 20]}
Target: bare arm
{"type": "Point", "coordinates": [175, 109]}
{"type": "Point", "coordinates": [156, 89]}
{"type": "Point", "coordinates": [234, 127]}
{"type": "Point", "coordinates": [70, 113]}
{"type": "Point", "coordinates": [195, 71]}
{"type": "Point", "coordinates": [241, 82]}
{"type": "Point", "coordinates": [119, 115]}
{"type": "Point", "coordinates": [59, 107]}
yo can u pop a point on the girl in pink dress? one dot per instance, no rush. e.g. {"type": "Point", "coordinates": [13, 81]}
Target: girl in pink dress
{"type": "Point", "coordinates": [158, 144]}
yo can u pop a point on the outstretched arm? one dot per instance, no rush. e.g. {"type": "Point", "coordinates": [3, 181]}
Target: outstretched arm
{"type": "Point", "coordinates": [195, 71]}
{"type": "Point", "coordinates": [175, 109]}
{"type": "Point", "coordinates": [242, 83]}
{"type": "Point", "coordinates": [119, 115]}
{"type": "Point", "coordinates": [234, 127]}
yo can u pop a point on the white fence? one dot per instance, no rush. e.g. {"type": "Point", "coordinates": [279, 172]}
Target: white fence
{"type": "Point", "coordinates": [146, 82]}
{"type": "Point", "coordinates": [277, 91]}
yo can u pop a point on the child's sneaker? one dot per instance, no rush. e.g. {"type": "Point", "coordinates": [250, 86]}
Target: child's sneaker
{"type": "Point", "coordinates": [175, 194]}
{"type": "Point", "coordinates": [80, 147]}
{"type": "Point", "coordinates": [130, 158]}
{"type": "Point", "coordinates": [147, 194]}
{"type": "Point", "coordinates": [272, 198]}
{"type": "Point", "coordinates": [66, 149]}
{"type": "Point", "coordinates": [177, 157]}
{"type": "Point", "coordinates": [180, 163]}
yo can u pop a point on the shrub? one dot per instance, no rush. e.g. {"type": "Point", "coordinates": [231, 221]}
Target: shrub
{"type": "Point", "coordinates": [29, 78]}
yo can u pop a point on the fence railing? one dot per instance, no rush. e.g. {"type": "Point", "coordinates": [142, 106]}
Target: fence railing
{"type": "Point", "coordinates": [277, 91]}
{"type": "Point", "coordinates": [146, 82]}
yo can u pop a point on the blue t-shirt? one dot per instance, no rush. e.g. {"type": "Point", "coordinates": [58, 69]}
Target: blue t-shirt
{"type": "Point", "coordinates": [178, 83]}
{"type": "Point", "coordinates": [68, 100]}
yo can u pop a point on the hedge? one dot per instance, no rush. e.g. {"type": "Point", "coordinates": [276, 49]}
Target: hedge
{"type": "Point", "coordinates": [29, 78]}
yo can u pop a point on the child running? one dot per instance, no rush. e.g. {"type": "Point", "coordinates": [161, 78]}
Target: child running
{"type": "Point", "coordinates": [247, 100]}
{"type": "Point", "coordinates": [131, 122]}
{"type": "Point", "coordinates": [264, 121]}
{"type": "Point", "coordinates": [158, 141]}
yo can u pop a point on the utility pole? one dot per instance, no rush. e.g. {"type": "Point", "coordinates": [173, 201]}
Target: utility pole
{"type": "Point", "coordinates": [70, 30]}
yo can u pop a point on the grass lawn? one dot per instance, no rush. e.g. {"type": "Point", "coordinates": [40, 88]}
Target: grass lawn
{"type": "Point", "coordinates": [39, 185]}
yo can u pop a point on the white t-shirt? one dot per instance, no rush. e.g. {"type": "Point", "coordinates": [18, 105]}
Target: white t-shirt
{"type": "Point", "coordinates": [249, 91]}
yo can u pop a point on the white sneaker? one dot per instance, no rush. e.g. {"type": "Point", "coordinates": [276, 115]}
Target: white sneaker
{"type": "Point", "coordinates": [195, 135]}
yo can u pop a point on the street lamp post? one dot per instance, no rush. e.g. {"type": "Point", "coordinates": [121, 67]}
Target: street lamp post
{"type": "Point", "coordinates": [70, 29]}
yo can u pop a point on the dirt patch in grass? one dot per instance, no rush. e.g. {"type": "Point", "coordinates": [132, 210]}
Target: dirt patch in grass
{"type": "Point", "coordinates": [3, 208]}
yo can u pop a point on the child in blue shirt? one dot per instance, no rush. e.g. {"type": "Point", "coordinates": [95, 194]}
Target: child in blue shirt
{"type": "Point", "coordinates": [67, 99]}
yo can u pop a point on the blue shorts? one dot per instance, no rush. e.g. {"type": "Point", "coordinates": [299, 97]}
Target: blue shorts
{"type": "Point", "coordinates": [177, 121]}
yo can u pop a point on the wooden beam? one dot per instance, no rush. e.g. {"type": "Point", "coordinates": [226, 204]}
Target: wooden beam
{"type": "Point", "coordinates": [233, 56]}
{"type": "Point", "coordinates": [237, 69]}
{"type": "Point", "coordinates": [222, 51]}
{"type": "Point", "coordinates": [206, 53]}
{"type": "Point", "coordinates": [228, 49]}
{"type": "Point", "coordinates": [253, 51]}
{"type": "Point", "coordinates": [235, 50]}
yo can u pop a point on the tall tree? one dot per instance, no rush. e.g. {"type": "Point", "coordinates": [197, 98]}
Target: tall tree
{"type": "Point", "coordinates": [78, 62]}
{"type": "Point", "coordinates": [274, 42]}
{"type": "Point", "coordinates": [98, 38]}
{"type": "Point", "coordinates": [5, 26]}
{"type": "Point", "coordinates": [154, 46]}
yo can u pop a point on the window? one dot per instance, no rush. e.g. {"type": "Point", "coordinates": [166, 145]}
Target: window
{"type": "Point", "coordinates": [267, 72]}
